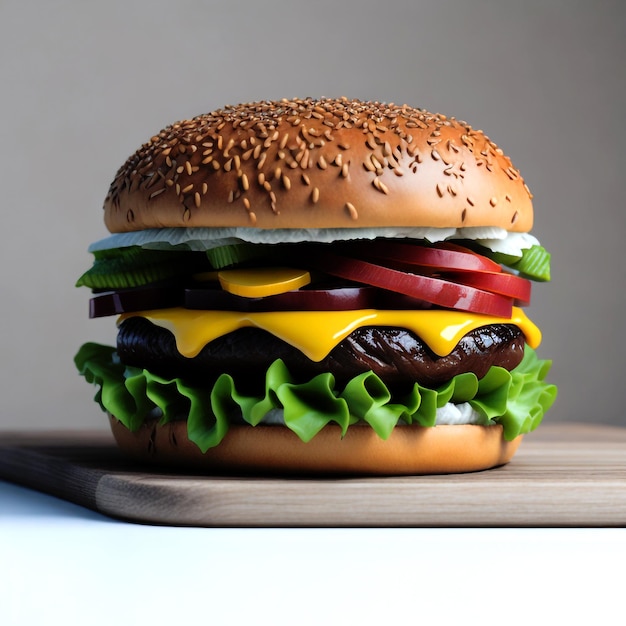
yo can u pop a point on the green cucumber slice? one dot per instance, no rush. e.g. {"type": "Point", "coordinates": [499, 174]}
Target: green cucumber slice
{"type": "Point", "coordinates": [122, 268]}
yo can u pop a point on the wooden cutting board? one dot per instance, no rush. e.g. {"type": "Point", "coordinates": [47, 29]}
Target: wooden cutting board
{"type": "Point", "coordinates": [563, 475]}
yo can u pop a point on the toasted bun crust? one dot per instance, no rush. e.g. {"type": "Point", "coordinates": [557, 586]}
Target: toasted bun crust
{"type": "Point", "coordinates": [328, 163]}
{"type": "Point", "coordinates": [275, 449]}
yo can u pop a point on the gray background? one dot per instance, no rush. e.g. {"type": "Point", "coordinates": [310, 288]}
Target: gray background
{"type": "Point", "coordinates": [83, 85]}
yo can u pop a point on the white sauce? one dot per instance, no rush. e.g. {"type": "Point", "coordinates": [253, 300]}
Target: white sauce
{"type": "Point", "coordinates": [449, 414]}
{"type": "Point", "coordinates": [200, 239]}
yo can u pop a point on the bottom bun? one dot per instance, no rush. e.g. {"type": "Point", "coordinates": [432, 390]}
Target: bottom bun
{"type": "Point", "coordinates": [276, 449]}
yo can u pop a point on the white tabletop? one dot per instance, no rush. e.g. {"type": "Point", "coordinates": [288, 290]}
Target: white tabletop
{"type": "Point", "coordinates": [67, 565]}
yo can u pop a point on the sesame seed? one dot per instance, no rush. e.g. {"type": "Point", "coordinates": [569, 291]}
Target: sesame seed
{"type": "Point", "coordinates": [412, 151]}
{"type": "Point", "coordinates": [470, 201]}
{"type": "Point", "coordinates": [197, 199]}
{"type": "Point", "coordinates": [244, 182]}
{"type": "Point", "coordinates": [369, 166]}
{"type": "Point", "coordinates": [493, 201]}
{"type": "Point", "coordinates": [305, 179]}
{"type": "Point", "coordinates": [315, 195]}
{"type": "Point", "coordinates": [246, 203]}
{"type": "Point", "coordinates": [352, 210]}
{"type": "Point", "coordinates": [188, 167]}
{"type": "Point", "coordinates": [286, 182]}
{"type": "Point", "coordinates": [205, 188]}
{"type": "Point", "coordinates": [321, 163]}
{"type": "Point", "coordinates": [439, 190]}
{"type": "Point", "coordinates": [188, 188]}
{"type": "Point", "coordinates": [150, 180]}
{"type": "Point", "coordinates": [154, 194]}
{"type": "Point", "coordinates": [380, 186]}
{"type": "Point", "coordinates": [344, 170]}
{"type": "Point", "coordinates": [375, 162]}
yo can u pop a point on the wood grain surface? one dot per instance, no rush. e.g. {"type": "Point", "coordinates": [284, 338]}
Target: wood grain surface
{"type": "Point", "coordinates": [562, 475]}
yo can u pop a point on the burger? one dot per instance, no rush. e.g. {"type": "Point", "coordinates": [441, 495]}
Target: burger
{"type": "Point", "coordinates": [325, 286]}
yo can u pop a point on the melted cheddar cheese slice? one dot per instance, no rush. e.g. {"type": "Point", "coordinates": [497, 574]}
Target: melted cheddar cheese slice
{"type": "Point", "coordinates": [316, 333]}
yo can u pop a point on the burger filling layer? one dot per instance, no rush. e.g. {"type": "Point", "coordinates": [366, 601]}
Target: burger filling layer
{"type": "Point", "coordinates": [396, 355]}
{"type": "Point", "coordinates": [377, 333]}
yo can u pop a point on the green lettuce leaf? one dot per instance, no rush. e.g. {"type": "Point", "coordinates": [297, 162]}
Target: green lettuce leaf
{"type": "Point", "coordinates": [534, 263]}
{"type": "Point", "coordinates": [516, 399]}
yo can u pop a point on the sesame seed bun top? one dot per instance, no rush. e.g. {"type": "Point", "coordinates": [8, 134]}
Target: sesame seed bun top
{"type": "Point", "coordinates": [327, 163]}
